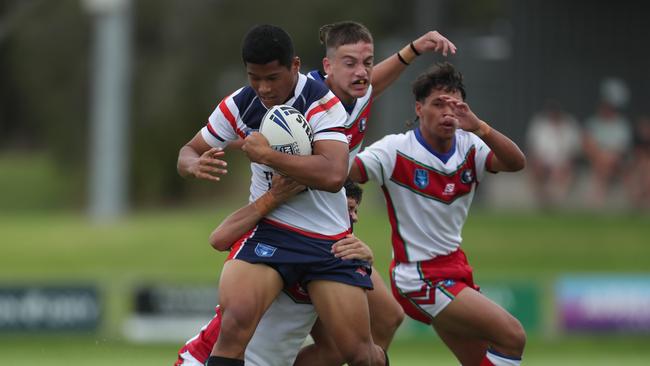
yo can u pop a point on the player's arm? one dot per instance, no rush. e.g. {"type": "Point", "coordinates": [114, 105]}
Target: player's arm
{"type": "Point", "coordinates": [199, 160]}
{"type": "Point", "coordinates": [507, 155]}
{"type": "Point", "coordinates": [351, 247]}
{"type": "Point", "coordinates": [233, 227]}
{"type": "Point", "coordinates": [355, 173]}
{"type": "Point", "coordinates": [387, 71]}
{"type": "Point", "coordinates": [326, 169]}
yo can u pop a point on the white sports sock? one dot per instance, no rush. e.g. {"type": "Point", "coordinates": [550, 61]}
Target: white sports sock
{"type": "Point", "coordinates": [502, 360]}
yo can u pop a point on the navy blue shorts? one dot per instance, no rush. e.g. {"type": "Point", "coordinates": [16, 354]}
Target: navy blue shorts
{"type": "Point", "coordinates": [300, 257]}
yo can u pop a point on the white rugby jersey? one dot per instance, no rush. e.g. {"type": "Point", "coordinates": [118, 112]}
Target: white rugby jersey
{"type": "Point", "coordinates": [428, 194]}
{"type": "Point", "coordinates": [240, 113]}
{"type": "Point", "coordinates": [357, 122]}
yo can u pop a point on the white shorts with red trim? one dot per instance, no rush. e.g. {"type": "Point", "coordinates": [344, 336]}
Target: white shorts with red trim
{"type": "Point", "coordinates": [424, 289]}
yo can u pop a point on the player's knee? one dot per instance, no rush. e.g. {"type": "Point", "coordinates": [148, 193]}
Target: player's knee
{"type": "Point", "coordinates": [388, 320]}
{"type": "Point", "coordinates": [397, 317]}
{"type": "Point", "coordinates": [514, 337]}
{"type": "Point", "coordinates": [238, 322]}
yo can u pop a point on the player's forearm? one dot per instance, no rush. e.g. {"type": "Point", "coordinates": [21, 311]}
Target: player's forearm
{"type": "Point", "coordinates": [509, 157]}
{"type": "Point", "coordinates": [385, 73]}
{"type": "Point", "coordinates": [241, 221]}
{"type": "Point", "coordinates": [314, 171]}
{"type": "Point", "coordinates": [326, 169]}
{"type": "Point", "coordinates": [355, 173]}
{"type": "Point", "coordinates": [187, 158]}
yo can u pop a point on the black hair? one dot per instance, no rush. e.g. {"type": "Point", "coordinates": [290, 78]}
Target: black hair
{"type": "Point", "coordinates": [353, 190]}
{"type": "Point", "coordinates": [442, 76]}
{"type": "Point", "coordinates": [347, 32]}
{"type": "Point", "coordinates": [267, 43]}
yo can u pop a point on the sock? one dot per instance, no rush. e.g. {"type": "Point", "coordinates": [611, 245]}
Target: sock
{"type": "Point", "coordinates": [223, 361]}
{"type": "Point", "coordinates": [492, 358]}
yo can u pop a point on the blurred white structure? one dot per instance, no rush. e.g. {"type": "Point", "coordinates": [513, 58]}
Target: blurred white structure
{"type": "Point", "coordinates": [110, 107]}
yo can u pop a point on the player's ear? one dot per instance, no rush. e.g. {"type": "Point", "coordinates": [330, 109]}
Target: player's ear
{"type": "Point", "coordinates": [327, 66]}
{"type": "Point", "coordinates": [418, 108]}
{"type": "Point", "coordinates": [295, 64]}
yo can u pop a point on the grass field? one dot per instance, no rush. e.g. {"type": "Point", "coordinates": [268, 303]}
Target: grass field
{"type": "Point", "coordinates": [171, 247]}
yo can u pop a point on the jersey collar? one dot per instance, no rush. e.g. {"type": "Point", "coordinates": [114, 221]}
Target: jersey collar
{"type": "Point", "coordinates": [444, 157]}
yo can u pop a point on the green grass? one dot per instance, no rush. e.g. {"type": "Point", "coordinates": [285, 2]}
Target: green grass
{"type": "Point", "coordinates": [171, 247]}
{"type": "Point", "coordinates": [88, 350]}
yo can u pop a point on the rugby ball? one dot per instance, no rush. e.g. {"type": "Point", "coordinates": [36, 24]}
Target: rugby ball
{"type": "Point", "coordinates": [287, 130]}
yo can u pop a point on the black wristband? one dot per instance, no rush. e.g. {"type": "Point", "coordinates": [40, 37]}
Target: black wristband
{"type": "Point", "coordinates": [414, 49]}
{"type": "Point", "coordinates": [401, 59]}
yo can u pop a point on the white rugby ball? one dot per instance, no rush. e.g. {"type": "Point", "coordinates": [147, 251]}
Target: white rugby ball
{"type": "Point", "coordinates": [287, 130]}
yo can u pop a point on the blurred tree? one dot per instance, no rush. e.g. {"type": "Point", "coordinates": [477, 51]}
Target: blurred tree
{"type": "Point", "coordinates": [187, 58]}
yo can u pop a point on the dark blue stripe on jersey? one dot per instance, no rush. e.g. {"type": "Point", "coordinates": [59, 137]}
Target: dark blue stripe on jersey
{"type": "Point", "coordinates": [251, 109]}
{"type": "Point", "coordinates": [313, 91]}
{"type": "Point", "coordinates": [317, 75]}
{"type": "Point", "coordinates": [349, 107]}
{"type": "Point", "coordinates": [214, 133]}
{"type": "Point", "coordinates": [444, 157]}
{"type": "Point", "coordinates": [333, 129]}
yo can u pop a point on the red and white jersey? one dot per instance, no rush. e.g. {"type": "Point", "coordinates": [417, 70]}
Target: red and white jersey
{"type": "Point", "coordinates": [357, 122]}
{"type": "Point", "coordinates": [240, 113]}
{"type": "Point", "coordinates": [428, 194]}
{"type": "Point", "coordinates": [277, 339]}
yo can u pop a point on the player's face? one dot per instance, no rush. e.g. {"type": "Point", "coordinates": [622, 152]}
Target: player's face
{"type": "Point", "coordinates": [353, 207]}
{"type": "Point", "coordinates": [349, 68]}
{"type": "Point", "coordinates": [437, 118]}
{"type": "Point", "coordinates": [273, 83]}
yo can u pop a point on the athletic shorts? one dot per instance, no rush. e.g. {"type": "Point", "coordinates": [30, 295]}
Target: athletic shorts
{"type": "Point", "coordinates": [425, 288]}
{"type": "Point", "coordinates": [276, 341]}
{"type": "Point", "coordinates": [300, 256]}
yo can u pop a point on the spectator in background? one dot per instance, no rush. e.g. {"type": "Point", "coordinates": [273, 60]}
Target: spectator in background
{"type": "Point", "coordinates": [607, 141]}
{"type": "Point", "coordinates": [554, 142]}
{"type": "Point", "coordinates": [639, 178]}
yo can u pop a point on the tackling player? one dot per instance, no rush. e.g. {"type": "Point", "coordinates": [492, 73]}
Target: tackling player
{"type": "Point", "coordinates": [286, 324]}
{"type": "Point", "coordinates": [429, 176]}
{"type": "Point", "coordinates": [352, 76]}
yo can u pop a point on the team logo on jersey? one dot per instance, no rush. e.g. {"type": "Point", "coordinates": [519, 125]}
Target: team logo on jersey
{"type": "Point", "coordinates": [466, 176]}
{"type": "Point", "coordinates": [421, 178]}
{"type": "Point", "coordinates": [264, 250]}
{"type": "Point", "coordinates": [449, 190]}
{"type": "Point", "coordinates": [447, 283]}
{"type": "Point", "coordinates": [362, 124]}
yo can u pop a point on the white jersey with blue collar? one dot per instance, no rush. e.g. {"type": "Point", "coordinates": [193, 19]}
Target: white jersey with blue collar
{"type": "Point", "coordinates": [241, 112]}
{"type": "Point", "coordinates": [427, 194]}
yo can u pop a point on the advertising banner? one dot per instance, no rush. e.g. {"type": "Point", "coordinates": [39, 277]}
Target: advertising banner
{"type": "Point", "coordinates": [37, 308]}
{"type": "Point", "coordinates": [617, 303]}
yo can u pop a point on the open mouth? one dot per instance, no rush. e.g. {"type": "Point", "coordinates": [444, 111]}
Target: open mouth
{"type": "Point", "coordinates": [449, 122]}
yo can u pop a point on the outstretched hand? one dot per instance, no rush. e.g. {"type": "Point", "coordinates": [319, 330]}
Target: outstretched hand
{"type": "Point", "coordinates": [435, 42]}
{"type": "Point", "coordinates": [209, 165]}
